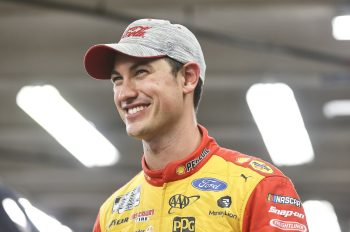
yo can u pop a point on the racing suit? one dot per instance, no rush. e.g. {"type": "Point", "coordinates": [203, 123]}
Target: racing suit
{"type": "Point", "coordinates": [212, 189]}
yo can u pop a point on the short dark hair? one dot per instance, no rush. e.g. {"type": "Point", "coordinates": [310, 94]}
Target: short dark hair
{"type": "Point", "coordinates": [175, 68]}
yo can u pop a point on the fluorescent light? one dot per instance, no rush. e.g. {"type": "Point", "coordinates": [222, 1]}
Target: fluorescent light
{"type": "Point", "coordinates": [280, 123]}
{"type": "Point", "coordinates": [321, 216]}
{"type": "Point", "coordinates": [14, 212]}
{"type": "Point", "coordinates": [42, 221]}
{"type": "Point", "coordinates": [48, 108]}
{"type": "Point", "coordinates": [341, 27]}
{"type": "Point", "coordinates": [336, 108]}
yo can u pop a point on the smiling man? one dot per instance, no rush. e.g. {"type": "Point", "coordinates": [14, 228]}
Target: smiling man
{"type": "Point", "coordinates": [188, 182]}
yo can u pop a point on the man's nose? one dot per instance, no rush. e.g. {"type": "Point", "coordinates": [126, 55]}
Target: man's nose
{"type": "Point", "coordinates": [126, 91]}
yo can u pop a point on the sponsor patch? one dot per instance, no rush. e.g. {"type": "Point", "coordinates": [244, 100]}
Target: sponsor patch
{"type": "Point", "coordinates": [137, 31]}
{"type": "Point", "coordinates": [180, 201]}
{"type": "Point", "coordinates": [286, 213]}
{"type": "Point", "coordinates": [116, 222]}
{"type": "Point", "coordinates": [127, 201]}
{"type": "Point", "coordinates": [285, 200]}
{"type": "Point", "coordinates": [190, 165]}
{"type": "Point", "coordinates": [224, 202]}
{"type": "Point", "coordinates": [242, 160]}
{"type": "Point", "coordinates": [180, 170]}
{"type": "Point", "coordinates": [261, 166]}
{"type": "Point", "coordinates": [222, 213]}
{"type": "Point", "coordinates": [244, 177]}
{"type": "Point", "coordinates": [148, 229]}
{"type": "Point", "coordinates": [142, 216]}
{"type": "Point", "coordinates": [209, 184]}
{"type": "Point", "coordinates": [184, 224]}
{"type": "Point", "coordinates": [287, 225]}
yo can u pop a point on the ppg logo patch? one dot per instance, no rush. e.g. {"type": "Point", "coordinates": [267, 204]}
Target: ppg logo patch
{"type": "Point", "coordinates": [184, 224]}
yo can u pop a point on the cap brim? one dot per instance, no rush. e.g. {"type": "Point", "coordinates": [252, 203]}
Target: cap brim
{"type": "Point", "coordinates": [99, 59]}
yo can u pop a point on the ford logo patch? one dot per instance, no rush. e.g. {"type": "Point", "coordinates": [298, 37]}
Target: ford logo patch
{"type": "Point", "coordinates": [209, 184]}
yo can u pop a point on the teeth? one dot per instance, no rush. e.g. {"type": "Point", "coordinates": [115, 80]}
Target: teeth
{"type": "Point", "coordinates": [135, 109]}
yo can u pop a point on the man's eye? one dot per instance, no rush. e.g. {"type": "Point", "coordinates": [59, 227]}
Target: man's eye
{"type": "Point", "coordinates": [116, 79]}
{"type": "Point", "coordinates": [140, 72]}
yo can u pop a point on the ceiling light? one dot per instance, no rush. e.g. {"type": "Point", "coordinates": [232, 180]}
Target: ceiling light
{"type": "Point", "coordinates": [48, 108]}
{"type": "Point", "coordinates": [321, 216]}
{"type": "Point", "coordinates": [336, 108]}
{"type": "Point", "coordinates": [14, 212]}
{"type": "Point", "coordinates": [341, 27]}
{"type": "Point", "coordinates": [280, 123]}
{"type": "Point", "coordinates": [42, 221]}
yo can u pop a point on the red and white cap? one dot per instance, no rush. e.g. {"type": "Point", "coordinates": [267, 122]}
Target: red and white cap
{"type": "Point", "coordinates": [146, 38]}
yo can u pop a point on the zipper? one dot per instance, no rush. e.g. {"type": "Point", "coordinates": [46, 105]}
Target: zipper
{"type": "Point", "coordinates": [162, 206]}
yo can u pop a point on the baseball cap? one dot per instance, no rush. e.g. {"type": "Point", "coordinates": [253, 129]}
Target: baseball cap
{"type": "Point", "coordinates": [146, 38]}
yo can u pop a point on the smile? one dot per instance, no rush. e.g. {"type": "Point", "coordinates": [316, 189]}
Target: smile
{"type": "Point", "coordinates": [136, 109]}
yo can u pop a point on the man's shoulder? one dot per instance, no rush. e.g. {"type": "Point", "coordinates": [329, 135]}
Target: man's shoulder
{"type": "Point", "coordinates": [253, 163]}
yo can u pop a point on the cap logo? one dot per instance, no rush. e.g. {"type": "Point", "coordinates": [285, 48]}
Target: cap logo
{"type": "Point", "coordinates": [136, 31]}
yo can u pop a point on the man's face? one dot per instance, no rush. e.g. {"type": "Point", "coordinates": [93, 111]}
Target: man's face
{"type": "Point", "coordinates": [148, 97]}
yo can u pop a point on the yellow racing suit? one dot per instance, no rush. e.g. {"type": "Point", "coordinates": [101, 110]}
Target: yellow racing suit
{"type": "Point", "coordinates": [212, 190]}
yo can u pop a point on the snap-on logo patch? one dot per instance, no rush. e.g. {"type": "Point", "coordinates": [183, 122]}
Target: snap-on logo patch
{"type": "Point", "coordinates": [209, 184]}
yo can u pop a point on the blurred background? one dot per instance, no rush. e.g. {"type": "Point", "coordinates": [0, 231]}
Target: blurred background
{"type": "Point", "coordinates": [294, 43]}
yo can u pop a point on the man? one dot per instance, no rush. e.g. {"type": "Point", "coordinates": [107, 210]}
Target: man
{"type": "Point", "coordinates": [188, 183]}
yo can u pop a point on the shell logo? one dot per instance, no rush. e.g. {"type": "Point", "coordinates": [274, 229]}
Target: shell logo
{"type": "Point", "coordinates": [180, 170]}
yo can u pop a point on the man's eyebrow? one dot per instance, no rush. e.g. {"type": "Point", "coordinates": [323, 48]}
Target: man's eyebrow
{"type": "Point", "coordinates": [140, 63]}
{"type": "Point", "coordinates": [114, 72]}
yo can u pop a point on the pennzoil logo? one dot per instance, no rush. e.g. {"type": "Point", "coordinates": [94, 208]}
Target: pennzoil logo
{"type": "Point", "coordinates": [127, 201]}
{"type": "Point", "coordinates": [184, 224]}
{"type": "Point", "coordinates": [190, 165]}
{"type": "Point", "coordinates": [180, 201]}
{"type": "Point", "coordinates": [261, 166]}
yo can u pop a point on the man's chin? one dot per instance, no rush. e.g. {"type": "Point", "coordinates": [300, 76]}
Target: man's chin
{"type": "Point", "coordinates": [134, 131]}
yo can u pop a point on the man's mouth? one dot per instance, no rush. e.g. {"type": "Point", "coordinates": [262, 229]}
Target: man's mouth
{"type": "Point", "coordinates": [135, 109]}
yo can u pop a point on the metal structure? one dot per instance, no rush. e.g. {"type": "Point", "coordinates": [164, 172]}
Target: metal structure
{"type": "Point", "coordinates": [244, 42]}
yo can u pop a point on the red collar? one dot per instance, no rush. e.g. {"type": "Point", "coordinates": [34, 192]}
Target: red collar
{"type": "Point", "coordinates": [181, 169]}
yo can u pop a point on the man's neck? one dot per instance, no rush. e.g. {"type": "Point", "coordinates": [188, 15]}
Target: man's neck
{"type": "Point", "coordinates": [178, 143]}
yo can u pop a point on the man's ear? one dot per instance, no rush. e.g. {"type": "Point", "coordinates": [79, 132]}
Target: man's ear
{"type": "Point", "coordinates": [190, 76]}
